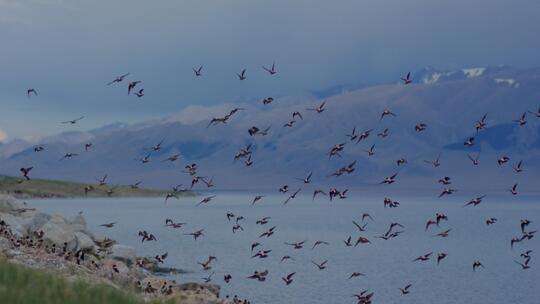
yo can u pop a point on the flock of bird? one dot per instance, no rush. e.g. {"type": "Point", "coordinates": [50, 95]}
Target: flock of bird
{"type": "Point", "coordinates": [290, 192]}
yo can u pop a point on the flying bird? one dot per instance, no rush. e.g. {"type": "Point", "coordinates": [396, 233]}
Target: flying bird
{"type": "Point", "coordinates": [118, 79]}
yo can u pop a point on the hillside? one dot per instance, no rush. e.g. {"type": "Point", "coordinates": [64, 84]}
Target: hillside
{"type": "Point", "coordinates": [43, 188]}
{"type": "Point", "coordinates": [448, 102]}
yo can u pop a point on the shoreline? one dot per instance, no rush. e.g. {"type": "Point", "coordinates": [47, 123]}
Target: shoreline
{"type": "Point", "coordinates": [66, 248]}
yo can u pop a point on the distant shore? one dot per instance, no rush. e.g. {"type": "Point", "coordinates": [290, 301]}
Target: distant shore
{"type": "Point", "coordinates": [43, 189]}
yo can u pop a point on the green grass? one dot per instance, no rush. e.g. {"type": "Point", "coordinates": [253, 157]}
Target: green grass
{"type": "Point", "coordinates": [22, 285]}
{"type": "Point", "coordinates": [53, 188]}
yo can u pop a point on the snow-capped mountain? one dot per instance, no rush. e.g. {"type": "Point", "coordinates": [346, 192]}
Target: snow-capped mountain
{"type": "Point", "coordinates": [449, 103]}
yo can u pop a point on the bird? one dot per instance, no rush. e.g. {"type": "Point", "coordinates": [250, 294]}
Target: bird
{"type": "Point", "coordinates": [25, 172]}
{"type": "Point", "coordinates": [132, 85]}
{"type": "Point", "coordinates": [353, 134]}
{"type": "Point", "coordinates": [469, 142]}
{"type": "Point", "coordinates": [407, 79]}
{"type": "Point", "coordinates": [447, 191]}
{"type": "Point", "coordinates": [196, 234]}
{"type": "Point", "coordinates": [522, 120]}
{"type": "Point", "coordinates": [197, 71]}
{"type": "Point", "coordinates": [139, 93]}
{"type": "Point", "coordinates": [261, 254]}
{"type": "Point", "coordinates": [474, 159]}
{"type": "Point", "coordinates": [242, 75]}
{"type": "Point", "coordinates": [256, 199]}
{"type": "Point", "coordinates": [360, 227]}
{"type": "Point", "coordinates": [390, 179]}
{"type": "Point", "coordinates": [170, 195]}
{"type": "Point", "coordinates": [288, 279]}
{"type": "Point", "coordinates": [292, 196]}
{"type": "Point", "coordinates": [348, 242]}
{"type": "Point", "coordinates": [475, 201]}
{"type": "Point", "coordinates": [364, 135]}
{"type": "Point", "coordinates": [108, 225]}
{"type": "Point", "coordinates": [355, 274]}
{"type": "Point", "coordinates": [253, 130]}
{"type": "Point", "coordinates": [503, 160]}
{"type": "Point", "coordinates": [361, 240]}
{"type": "Point", "coordinates": [319, 109]}
{"type": "Point", "coordinates": [423, 258]}
{"type": "Point", "coordinates": [401, 161]}
{"type": "Point", "coordinates": [491, 221]}
{"type": "Point", "coordinates": [322, 265]}
{"type": "Point", "coordinates": [477, 264]}
{"type": "Point", "coordinates": [440, 257]}
{"type": "Point", "coordinates": [87, 146]}
{"type": "Point", "coordinates": [435, 162]}
{"type": "Point", "coordinates": [172, 158]}
{"type": "Point", "coordinates": [72, 122]}
{"type": "Point", "coordinates": [39, 148]}
{"type": "Point", "coordinates": [69, 155]}
{"type": "Point", "coordinates": [297, 114]}
{"type": "Point", "coordinates": [513, 190]}
{"type": "Point", "coordinates": [384, 133]}
{"type": "Point", "coordinates": [267, 100]}
{"type": "Point", "coordinates": [118, 79]}
{"type": "Point", "coordinates": [208, 279]}
{"type": "Point", "coordinates": [481, 124]}
{"type": "Point", "coordinates": [444, 233]}
{"type": "Point", "coordinates": [387, 112]}
{"type": "Point", "coordinates": [371, 151]}
{"type": "Point", "coordinates": [206, 200]}
{"type": "Point", "coordinates": [420, 127]}
{"type": "Point", "coordinates": [317, 192]}
{"type": "Point", "coordinates": [517, 167]}
{"type": "Point", "coordinates": [307, 179]}
{"type": "Point", "coordinates": [31, 91]}
{"type": "Point", "coordinates": [445, 180]}
{"type": "Point", "coordinates": [161, 258]}
{"type": "Point", "coordinates": [297, 245]}
{"type": "Point", "coordinates": [524, 265]}
{"type": "Point", "coordinates": [271, 70]}
{"type": "Point", "coordinates": [317, 243]}
{"type": "Point", "coordinates": [405, 290]}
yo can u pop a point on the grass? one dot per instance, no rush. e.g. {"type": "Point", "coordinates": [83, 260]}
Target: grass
{"type": "Point", "coordinates": [54, 188]}
{"type": "Point", "coordinates": [23, 285]}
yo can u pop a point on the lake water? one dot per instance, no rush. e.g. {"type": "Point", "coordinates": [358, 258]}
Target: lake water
{"type": "Point", "coordinates": [387, 264]}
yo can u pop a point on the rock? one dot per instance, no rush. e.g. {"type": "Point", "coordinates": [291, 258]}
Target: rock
{"type": "Point", "coordinates": [123, 253]}
{"type": "Point", "coordinates": [214, 289]}
{"type": "Point", "coordinates": [16, 223]}
{"type": "Point", "coordinates": [85, 242]}
{"type": "Point", "coordinates": [9, 203]}
{"type": "Point", "coordinates": [37, 221]}
{"type": "Point", "coordinates": [57, 230]}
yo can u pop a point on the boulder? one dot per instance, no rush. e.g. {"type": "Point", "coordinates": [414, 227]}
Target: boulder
{"type": "Point", "coordinates": [9, 203]}
{"type": "Point", "coordinates": [15, 223]}
{"type": "Point", "coordinates": [37, 220]}
{"type": "Point", "coordinates": [57, 230]}
{"type": "Point", "coordinates": [84, 242]}
{"type": "Point", "coordinates": [123, 253]}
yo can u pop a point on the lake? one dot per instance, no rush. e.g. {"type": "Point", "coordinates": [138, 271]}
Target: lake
{"type": "Point", "coordinates": [387, 264]}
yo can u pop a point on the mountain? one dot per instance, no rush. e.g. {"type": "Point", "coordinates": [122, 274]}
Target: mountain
{"type": "Point", "coordinates": [449, 102]}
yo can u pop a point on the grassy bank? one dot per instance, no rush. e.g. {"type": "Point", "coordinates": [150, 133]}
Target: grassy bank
{"type": "Point", "coordinates": [41, 188]}
{"type": "Point", "coordinates": [22, 285]}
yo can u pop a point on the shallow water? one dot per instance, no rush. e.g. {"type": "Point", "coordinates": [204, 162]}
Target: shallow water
{"type": "Point", "coordinates": [387, 264]}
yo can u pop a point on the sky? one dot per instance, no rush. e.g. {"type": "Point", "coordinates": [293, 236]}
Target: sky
{"type": "Point", "coordinates": [69, 50]}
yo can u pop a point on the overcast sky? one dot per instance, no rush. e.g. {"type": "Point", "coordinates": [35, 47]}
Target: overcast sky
{"type": "Point", "coordinates": [68, 50]}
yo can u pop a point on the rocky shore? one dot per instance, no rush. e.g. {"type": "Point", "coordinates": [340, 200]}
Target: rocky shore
{"type": "Point", "coordinates": [66, 247]}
